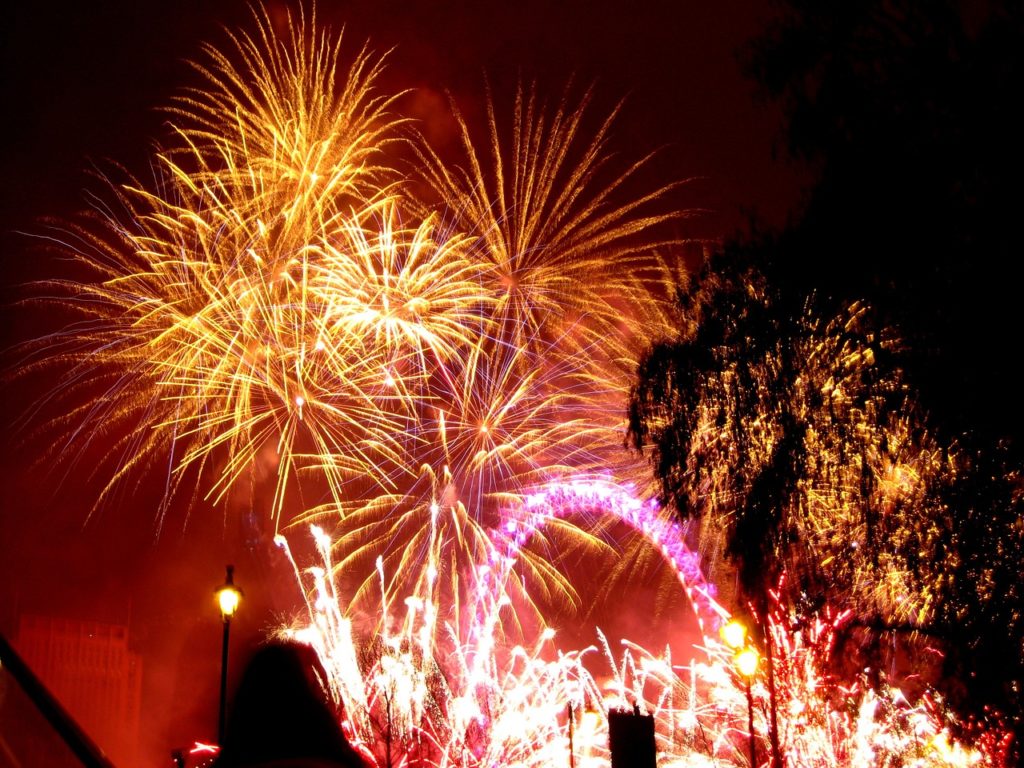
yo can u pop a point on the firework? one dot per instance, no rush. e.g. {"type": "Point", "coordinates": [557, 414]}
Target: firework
{"type": "Point", "coordinates": [265, 309]}
{"type": "Point", "coordinates": [448, 688]}
{"type": "Point", "coordinates": [548, 224]}
{"type": "Point", "coordinates": [445, 373]}
{"type": "Point", "coordinates": [204, 342]}
{"type": "Point", "coordinates": [278, 112]}
{"type": "Point", "coordinates": [456, 693]}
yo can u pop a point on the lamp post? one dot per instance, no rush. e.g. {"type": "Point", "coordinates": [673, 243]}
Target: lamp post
{"type": "Point", "coordinates": [745, 660]}
{"type": "Point", "coordinates": [228, 599]}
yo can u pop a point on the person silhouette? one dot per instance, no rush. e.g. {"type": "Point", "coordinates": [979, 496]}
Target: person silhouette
{"type": "Point", "coordinates": [281, 715]}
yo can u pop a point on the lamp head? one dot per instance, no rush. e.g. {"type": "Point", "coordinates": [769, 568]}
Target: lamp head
{"type": "Point", "coordinates": [734, 634]}
{"type": "Point", "coordinates": [229, 597]}
{"type": "Point", "coordinates": [746, 662]}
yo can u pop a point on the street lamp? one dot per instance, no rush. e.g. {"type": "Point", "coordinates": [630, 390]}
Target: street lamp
{"type": "Point", "coordinates": [228, 599]}
{"type": "Point", "coordinates": [745, 660]}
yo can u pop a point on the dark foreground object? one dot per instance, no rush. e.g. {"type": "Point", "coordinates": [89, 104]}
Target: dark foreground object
{"type": "Point", "coordinates": [631, 739]}
{"type": "Point", "coordinates": [281, 715]}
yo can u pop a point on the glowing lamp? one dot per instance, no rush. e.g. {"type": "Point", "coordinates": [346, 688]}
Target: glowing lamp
{"type": "Point", "coordinates": [746, 662]}
{"type": "Point", "coordinates": [229, 597]}
{"type": "Point", "coordinates": [734, 634]}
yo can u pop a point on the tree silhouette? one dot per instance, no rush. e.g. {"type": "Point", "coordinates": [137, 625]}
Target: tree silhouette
{"type": "Point", "coordinates": [841, 403]}
{"type": "Point", "coordinates": [791, 433]}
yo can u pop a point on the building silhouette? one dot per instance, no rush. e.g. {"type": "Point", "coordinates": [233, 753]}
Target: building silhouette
{"type": "Point", "coordinates": [91, 670]}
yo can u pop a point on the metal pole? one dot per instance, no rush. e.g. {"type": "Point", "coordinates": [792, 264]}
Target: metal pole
{"type": "Point", "coordinates": [572, 751]}
{"type": "Point", "coordinates": [223, 681]}
{"type": "Point", "coordinates": [750, 726]}
{"type": "Point", "coordinates": [773, 732]}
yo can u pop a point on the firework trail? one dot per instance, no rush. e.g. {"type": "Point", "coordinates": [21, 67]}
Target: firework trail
{"type": "Point", "coordinates": [204, 341]}
{"type": "Point", "coordinates": [458, 694]}
{"type": "Point", "coordinates": [548, 224]}
{"type": "Point", "coordinates": [266, 303]}
{"type": "Point", "coordinates": [277, 113]}
{"type": "Point", "coordinates": [456, 691]}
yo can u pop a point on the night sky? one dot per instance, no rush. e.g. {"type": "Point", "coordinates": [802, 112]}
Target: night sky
{"type": "Point", "coordinates": [82, 87]}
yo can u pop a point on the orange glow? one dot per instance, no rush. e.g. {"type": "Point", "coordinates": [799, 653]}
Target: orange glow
{"type": "Point", "coordinates": [228, 598]}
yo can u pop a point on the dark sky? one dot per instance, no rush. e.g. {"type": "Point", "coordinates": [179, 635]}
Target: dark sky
{"type": "Point", "coordinates": [82, 83]}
